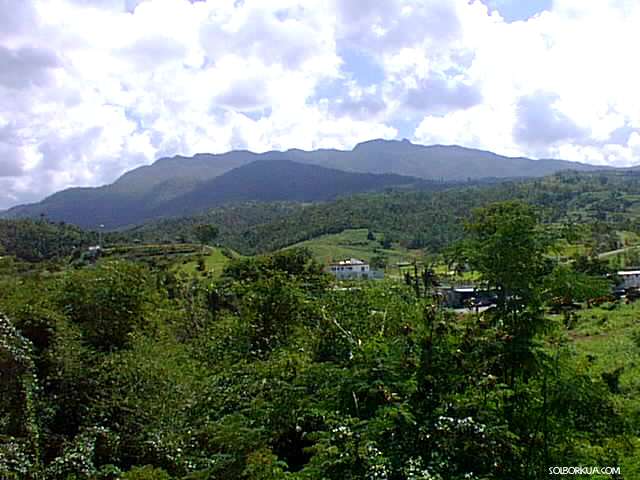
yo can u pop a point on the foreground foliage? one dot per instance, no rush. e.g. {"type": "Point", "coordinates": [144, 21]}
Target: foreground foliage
{"type": "Point", "coordinates": [269, 372]}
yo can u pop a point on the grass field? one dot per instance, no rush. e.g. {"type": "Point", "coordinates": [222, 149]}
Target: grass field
{"type": "Point", "coordinates": [608, 341]}
{"type": "Point", "coordinates": [608, 336]}
{"type": "Point", "coordinates": [181, 257]}
{"type": "Point", "coordinates": [354, 243]}
{"type": "Point", "coordinates": [214, 259]}
{"type": "Point", "coordinates": [565, 250]}
{"type": "Point", "coordinates": [138, 251]}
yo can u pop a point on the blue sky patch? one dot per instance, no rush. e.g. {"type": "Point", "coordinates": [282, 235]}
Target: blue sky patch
{"type": "Point", "coordinates": [518, 10]}
{"type": "Point", "coordinates": [362, 67]}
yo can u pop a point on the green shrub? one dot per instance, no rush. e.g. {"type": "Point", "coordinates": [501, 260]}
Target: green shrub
{"type": "Point", "coordinates": [145, 473]}
{"type": "Point", "coordinates": [107, 302]}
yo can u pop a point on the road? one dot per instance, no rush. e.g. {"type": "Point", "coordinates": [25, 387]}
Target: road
{"type": "Point", "coordinates": [616, 252]}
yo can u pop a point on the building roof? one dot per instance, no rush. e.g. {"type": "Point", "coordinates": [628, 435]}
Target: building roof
{"type": "Point", "coordinates": [350, 261]}
{"type": "Point", "coordinates": [628, 272]}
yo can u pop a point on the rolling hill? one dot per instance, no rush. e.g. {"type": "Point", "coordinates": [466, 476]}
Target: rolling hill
{"type": "Point", "coordinates": [434, 162]}
{"type": "Point", "coordinates": [186, 185]}
{"type": "Point", "coordinates": [281, 180]}
{"type": "Point", "coordinates": [594, 206]}
{"type": "Point", "coordinates": [261, 181]}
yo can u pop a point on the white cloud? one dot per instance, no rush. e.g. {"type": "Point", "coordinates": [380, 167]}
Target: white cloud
{"type": "Point", "coordinates": [571, 69]}
{"type": "Point", "coordinates": [91, 88]}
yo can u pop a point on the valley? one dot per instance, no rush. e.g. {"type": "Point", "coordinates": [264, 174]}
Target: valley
{"type": "Point", "coordinates": [311, 240]}
{"type": "Point", "coordinates": [220, 343]}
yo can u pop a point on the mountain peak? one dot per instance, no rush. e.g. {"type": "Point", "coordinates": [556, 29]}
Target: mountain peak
{"type": "Point", "coordinates": [381, 143]}
{"type": "Point", "coordinates": [173, 181]}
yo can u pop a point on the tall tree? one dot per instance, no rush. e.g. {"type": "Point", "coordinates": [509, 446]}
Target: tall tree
{"type": "Point", "coordinates": [507, 247]}
{"type": "Point", "coordinates": [206, 232]}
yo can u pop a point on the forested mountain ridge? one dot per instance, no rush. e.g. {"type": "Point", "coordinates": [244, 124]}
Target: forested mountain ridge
{"type": "Point", "coordinates": [35, 240]}
{"type": "Point", "coordinates": [266, 180]}
{"type": "Point", "coordinates": [435, 162]}
{"type": "Point", "coordinates": [605, 201]}
{"type": "Point", "coordinates": [433, 218]}
{"type": "Point", "coordinates": [151, 191]}
{"type": "Point", "coordinates": [282, 180]}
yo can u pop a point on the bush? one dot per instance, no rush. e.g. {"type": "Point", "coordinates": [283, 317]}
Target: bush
{"type": "Point", "coordinates": [107, 302]}
{"type": "Point", "coordinates": [146, 473]}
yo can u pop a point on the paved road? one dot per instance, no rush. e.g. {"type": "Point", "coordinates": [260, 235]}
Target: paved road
{"type": "Point", "coordinates": [615, 252]}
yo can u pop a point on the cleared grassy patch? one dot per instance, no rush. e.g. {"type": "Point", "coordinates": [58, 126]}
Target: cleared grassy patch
{"type": "Point", "coordinates": [605, 339]}
{"type": "Point", "coordinates": [354, 243]}
{"type": "Point", "coordinates": [181, 257]}
{"type": "Point", "coordinates": [214, 261]}
{"type": "Point", "coordinates": [607, 335]}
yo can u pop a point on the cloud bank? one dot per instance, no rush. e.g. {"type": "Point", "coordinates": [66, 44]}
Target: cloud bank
{"type": "Point", "coordinates": [92, 88]}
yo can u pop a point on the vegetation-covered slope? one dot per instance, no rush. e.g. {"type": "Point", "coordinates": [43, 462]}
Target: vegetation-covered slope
{"type": "Point", "coordinates": [602, 202]}
{"type": "Point", "coordinates": [358, 243]}
{"type": "Point", "coordinates": [269, 372]}
{"type": "Point", "coordinates": [176, 184]}
{"type": "Point", "coordinates": [34, 240]}
{"type": "Point", "coordinates": [281, 180]}
{"type": "Point", "coordinates": [597, 207]}
{"type": "Point", "coordinates": [267, 180]}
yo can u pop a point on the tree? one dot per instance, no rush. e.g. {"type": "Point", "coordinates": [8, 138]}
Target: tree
{"type": "Point", "coordinates": [19, 448]}
{"type": "Point", "coordinates": [591, 265]}
{"type": "Point", "coordinates": [108, 302]}
{"type": "Point", "coordinates": [379, 261]}
{"type": "Point", "coordinates": [565, 286]}
{"type": "Point", "coordinates": [206, 233]}
{"type": "Point", "coordinates": [202, 266]}
{"type": "Point", "coordinates": [273, 306]}
{"type": "Point", "coordinates": [507, 247]}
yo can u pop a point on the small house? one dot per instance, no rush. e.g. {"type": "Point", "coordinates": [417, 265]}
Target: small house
{"type": "Point", "coordinates": [353, 268]}
{"type": "Point", "coordinates": [630, 278]}
{"type": "Point", "coordinates": [463, 296]}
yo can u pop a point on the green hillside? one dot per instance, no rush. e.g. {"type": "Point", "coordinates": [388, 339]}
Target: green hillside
{"type": "Point", "coordinates": [355, 244]}
{"type": "Point", "coordinates": [282, 180]}
{"type": "Point", "coordinates": [118, 205]}
{"type": "Point", "coordinates": [124, 368]}
{"type": "Point", "coordinates": [212, 262]}
{"type": "Point", "coordinates": [35, 240]}
{"type": "Point", "coordinates": [607, 343]}
{"type": "Point", "coordinates": [186, 185]}
{"type": "Point", "coordinates": [188, 258]}
{"type": "Point", "coordinates": [593, 208]}
{"type": "Point", "coordinates": [599, 211]}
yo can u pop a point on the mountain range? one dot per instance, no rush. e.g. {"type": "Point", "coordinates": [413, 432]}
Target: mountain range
{"type": "Point", "coordinates": [186, 185]}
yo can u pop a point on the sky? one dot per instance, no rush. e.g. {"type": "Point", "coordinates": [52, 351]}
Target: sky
{"type": "Point", "coordinates": [92, 88]}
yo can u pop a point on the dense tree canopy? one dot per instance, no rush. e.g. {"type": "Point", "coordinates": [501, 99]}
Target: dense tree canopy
{"type": "Point", "coordinates": [507, 246]}
{"type": "Point", "coordinates": [272, 370]}
{"type": "Point", "coordinates": [429, 220]}
{"type": "Point", "coordinates": [206, 233]}
{"type": "Point", "coordinates": [35, 240]}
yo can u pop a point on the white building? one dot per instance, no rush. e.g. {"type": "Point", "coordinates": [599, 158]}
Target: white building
{"type": "Point", "coordinates": [352, 268]}
{"type": "Point", "coordinates": [630, 278]}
